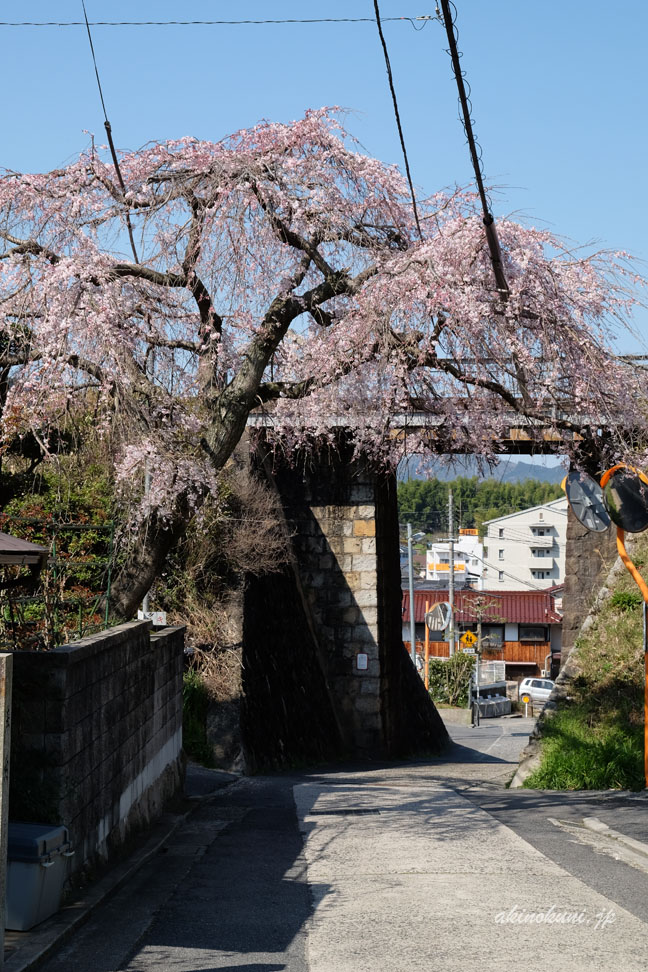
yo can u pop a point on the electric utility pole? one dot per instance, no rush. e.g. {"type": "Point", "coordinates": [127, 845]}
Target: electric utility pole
{"type": "Point", "coordinates": [451, 636]}
{"type": "Point", "coordinates": [410, 577]}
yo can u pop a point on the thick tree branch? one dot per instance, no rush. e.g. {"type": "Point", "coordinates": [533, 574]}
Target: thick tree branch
{"type": "Point", "coordinates": [270, 391]}
{"type": "Point", "coordinates": [27, 246]}
{"type": "Point", "coordinates": [289, 236]}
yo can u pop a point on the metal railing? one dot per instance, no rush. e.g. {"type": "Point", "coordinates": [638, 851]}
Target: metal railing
{"type": "Point", "coordinates": [70, 598]}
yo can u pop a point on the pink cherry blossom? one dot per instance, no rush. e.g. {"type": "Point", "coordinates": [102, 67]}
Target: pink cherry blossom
{"type": "Point", "coordinates": [279, 274]}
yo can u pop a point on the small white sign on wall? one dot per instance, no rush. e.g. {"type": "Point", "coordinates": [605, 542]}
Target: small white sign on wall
{"type": "Point", "coordinates": [157, 618]}
{"type": "Point", "coordinates": [362, 661]}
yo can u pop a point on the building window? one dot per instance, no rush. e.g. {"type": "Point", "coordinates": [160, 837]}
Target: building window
{"type": "Point", "coordinates": [500, 555]}
{"type": "Point", "coordinates": [501, 532]}
{"type": "Point", "coordinates": [492, 635]}
{"type": "Point", "coordinates": [541, 515]}
{"type": "Point", "coordinates": [501, 576]}
{"type": "Point", "coordinates": [533, 632]}
{"type": "Point", "coordinates": [540, 552]}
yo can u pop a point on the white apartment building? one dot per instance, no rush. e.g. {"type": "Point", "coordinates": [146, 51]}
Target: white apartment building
{"type": "Point", "coordinates": [526, 550]}
{"type": "Point", "coordinates": [468, 560]}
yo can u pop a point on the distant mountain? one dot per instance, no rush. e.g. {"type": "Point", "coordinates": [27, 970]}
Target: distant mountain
{"type": "Point", "coordinates": [508, 471]}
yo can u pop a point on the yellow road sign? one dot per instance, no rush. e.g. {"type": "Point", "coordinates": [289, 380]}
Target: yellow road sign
{"type": "Point", "coordinates": [468, 638]}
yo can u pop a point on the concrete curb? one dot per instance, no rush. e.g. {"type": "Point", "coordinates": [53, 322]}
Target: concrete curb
{"type": "Point", "coordinates": [455, 717]}
{"type": "Point", "coordinates": [598, 827]}
{"type": "Point", "coordinates": [55, 930]}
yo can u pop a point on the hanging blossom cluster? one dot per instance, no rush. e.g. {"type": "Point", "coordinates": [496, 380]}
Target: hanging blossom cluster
{"type": "Point", "coordinates": [278, 273]}
{"type": "Point", "coordinates": [169, 475]}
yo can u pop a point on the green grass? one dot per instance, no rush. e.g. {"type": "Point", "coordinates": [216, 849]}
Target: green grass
{"type": "Point", "coordinates": [595, 741]}
{"type": "Point", "coordinates": [576, 756]}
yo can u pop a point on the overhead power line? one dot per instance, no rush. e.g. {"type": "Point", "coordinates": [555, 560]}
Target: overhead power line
{"type": "Point", "coordinates": [397, 116]}
{"type": "Point", "coordinates": [108, 128]}
{"type": "Point", "coordinates": [449, 22]}
{"type": "Point", "coordinates": [422, 19]}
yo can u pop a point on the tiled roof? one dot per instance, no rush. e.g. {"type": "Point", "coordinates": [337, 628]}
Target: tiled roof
{"type": "Point", "coordinates": [516, 607]}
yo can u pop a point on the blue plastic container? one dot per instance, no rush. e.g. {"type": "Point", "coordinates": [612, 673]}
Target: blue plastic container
{"type": "Point", "coordinates": [37, 866]}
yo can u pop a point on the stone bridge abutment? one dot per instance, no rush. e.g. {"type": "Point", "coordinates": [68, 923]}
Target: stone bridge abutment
{"type": "Point", "coordinates": [335, 621]}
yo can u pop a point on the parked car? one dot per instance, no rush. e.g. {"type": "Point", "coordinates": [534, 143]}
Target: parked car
{"type": "Point", "coordinates": [535, 689]}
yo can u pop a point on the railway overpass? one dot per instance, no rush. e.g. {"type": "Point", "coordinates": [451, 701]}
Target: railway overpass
{"type": "Point", "coordinates": [325, 671]}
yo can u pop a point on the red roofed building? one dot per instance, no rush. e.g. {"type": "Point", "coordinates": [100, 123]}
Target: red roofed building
{"type": "Point", "coordinates": [521, 628]}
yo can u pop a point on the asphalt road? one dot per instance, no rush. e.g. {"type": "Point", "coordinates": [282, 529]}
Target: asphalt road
{"type": "Point", "coordinates": [382, 868]}
{"type": "Point", "coordinates": [536, 815]}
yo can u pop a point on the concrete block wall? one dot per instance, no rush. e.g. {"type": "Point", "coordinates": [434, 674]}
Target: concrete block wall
{"type": "Point", "coordinates": [97, 735]}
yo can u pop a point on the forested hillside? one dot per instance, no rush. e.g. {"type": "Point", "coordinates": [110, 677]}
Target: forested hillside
{"type": "Point", "coordinates": [424, 503]}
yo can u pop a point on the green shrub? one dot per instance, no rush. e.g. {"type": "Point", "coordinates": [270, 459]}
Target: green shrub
{"type": "Point", "coordinates": [450, 678]}
{"type": "Point", "coordinates": [195, 700]}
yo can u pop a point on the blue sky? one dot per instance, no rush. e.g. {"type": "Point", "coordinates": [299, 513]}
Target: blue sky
{"type": "Point", "coordinates": [558, 93]}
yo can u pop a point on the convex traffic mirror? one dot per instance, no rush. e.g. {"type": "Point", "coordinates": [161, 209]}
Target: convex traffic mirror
{"type": "Point", "coordinates": [626, 497]}
{"type": "Point", "coordinates": [585, 496]}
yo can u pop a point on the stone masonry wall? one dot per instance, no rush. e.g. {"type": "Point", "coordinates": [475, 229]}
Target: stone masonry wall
{"type": "Point", "coordinates": [97, 734]}
{"type": "Point", "coordinates": [340, 568]}
{"type": "Point", "coordinates": [342, 516]}
{"type": "Point", "coordinates": [588, 559]}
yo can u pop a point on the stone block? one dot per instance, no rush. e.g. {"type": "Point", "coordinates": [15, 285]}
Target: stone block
{"type": "Point", "coordinates": [365, 563]}
{"type": "Point", "coordinates": [367, 512]}
{"type": "Point", "coordinates": [347, 528]}
{"type": "Point", "coordinates": [341, 597]}
{"type": "Point", "coordinates": [314, 579]}
{"type": "Point", "coordinates": [352, 545]}
{"type": "Point", "coordinates": [351, 615]}
{"type": "Point", "coordinates": [369, 685]}
{"type": "Point", "coordinates": [314, 546]}
{"type": "Point", "coordinates": [369, 615]}
{"type": "Point", "coordinates": [367, 598]}
{"type": "Point", "coordinates": [368, 580]}
{"type": "Point", "coordinates": [368, 704]}
{"type": "Point", "coordinates": [325, 562]}
{"type": "Point", "coordinates": [364, 528]}
{"type": "Point", "coordinates": [365, 637]}
{"type": "Point", "coordinates": [351, 577]}
{"type": "Point", "coordinates": [361, 492]}
{"type": "Point", "coordinates": [368, 545]}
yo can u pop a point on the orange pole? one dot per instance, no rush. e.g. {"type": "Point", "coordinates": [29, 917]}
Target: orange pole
{"type": "Point", "coordinates": [645, 702]}
{"type": "Point", "coordinates": [427, 648]}
{"type": "Point", "coordinates": [630, 567]}
{"type": "Point", "coordinates": [643, 587]}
